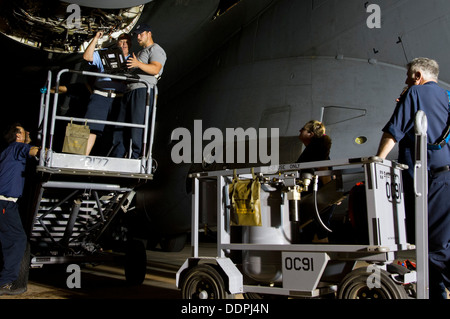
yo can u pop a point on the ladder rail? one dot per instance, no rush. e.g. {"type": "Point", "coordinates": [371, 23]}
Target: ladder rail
{"type": "Point", "coordinates": [49, 117]}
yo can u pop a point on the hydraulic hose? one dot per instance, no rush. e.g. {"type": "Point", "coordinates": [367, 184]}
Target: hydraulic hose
{"type": "Point", "coordinates": [316, 210]}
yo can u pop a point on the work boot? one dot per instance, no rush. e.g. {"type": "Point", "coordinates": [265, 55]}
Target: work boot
{"type": "Point", "coordinates": [10, 289]}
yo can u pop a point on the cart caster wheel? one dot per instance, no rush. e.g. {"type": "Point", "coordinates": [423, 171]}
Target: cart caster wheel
{"type": "Point", "coordinates": [203, 282]}
{"type": "Point", "coordinates": [354, 286]}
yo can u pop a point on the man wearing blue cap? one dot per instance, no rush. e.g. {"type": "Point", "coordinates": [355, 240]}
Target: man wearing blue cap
{"type": "Point", "coordinates": [148, 64]}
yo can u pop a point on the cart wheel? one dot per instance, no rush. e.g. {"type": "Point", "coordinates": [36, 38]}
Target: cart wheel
{"type": "Point", "coordinates": [354, 286]}
{"type": "Point", "coordinates": [135, 262]}
{"type": "Point", "coordinates": [203, 282]}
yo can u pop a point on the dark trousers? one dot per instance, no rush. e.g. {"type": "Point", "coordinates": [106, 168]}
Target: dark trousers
{"type": "Point", "coordinates": [410, 207]}
{"type": "Point", "coordinates": [13, 241]}
{"type": "Point", "coordinates": [132, 110]}
{"type": "Point", "coordinates": [439, 234]}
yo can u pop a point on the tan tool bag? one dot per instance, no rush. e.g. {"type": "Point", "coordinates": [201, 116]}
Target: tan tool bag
{"type": "Point", "coordinates": [76, 139]}
{"type": "Point", "coordinates": [245, 201]}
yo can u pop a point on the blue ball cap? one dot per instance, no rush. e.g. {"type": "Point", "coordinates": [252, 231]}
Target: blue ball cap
{"type": "Point", "coordinates": [141, 28]}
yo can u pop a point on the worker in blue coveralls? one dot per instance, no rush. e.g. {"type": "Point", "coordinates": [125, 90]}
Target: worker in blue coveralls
{"type": "Point", "coordinates": [12, 235]}
{"type": "Point", "coordinates": [425, 94]}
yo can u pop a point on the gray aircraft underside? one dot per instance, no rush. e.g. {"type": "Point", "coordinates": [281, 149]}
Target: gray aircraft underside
{"type": "Point", "coordinates": [300, 60]}
{"type": "Point", "coordinates": [279, 64]}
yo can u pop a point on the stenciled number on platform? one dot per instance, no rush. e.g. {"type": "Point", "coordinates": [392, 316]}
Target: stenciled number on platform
{"type": "Point", "coordinates": [95, 161]}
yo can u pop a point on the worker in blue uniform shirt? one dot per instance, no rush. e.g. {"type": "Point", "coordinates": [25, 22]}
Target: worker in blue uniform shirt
{"type": "Point", "coordinates": [425, 94]}
{"type": "Point", "coordinates": [106, 91]}
{"type": "Point", "coordinates": [12, 235]}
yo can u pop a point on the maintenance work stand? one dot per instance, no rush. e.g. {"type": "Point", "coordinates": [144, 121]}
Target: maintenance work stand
{"type": "Point", "coordinates": [271, 259]}
{"type": "Point", "coordinates": [75, 199]}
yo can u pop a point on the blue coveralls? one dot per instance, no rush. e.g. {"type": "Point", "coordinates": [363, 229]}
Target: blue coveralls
{"type": "Point", "coordinates": [434, 101]}
{"type": "Point", "coordinates": [100, 106]}
{"type": "Point", "coordinates": [12, 235]}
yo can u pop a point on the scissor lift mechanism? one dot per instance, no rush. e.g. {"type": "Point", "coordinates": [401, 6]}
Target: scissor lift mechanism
{"type": "Point", "coordinates": [307, 268]}
{"type": "Point", "coordinates": [76, 197]}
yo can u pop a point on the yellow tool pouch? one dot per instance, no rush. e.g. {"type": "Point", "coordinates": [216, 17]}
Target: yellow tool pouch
{"type": "Point", "coordinates": [76, 139]}
{"type": "Point", "coordinates": [245, 201]}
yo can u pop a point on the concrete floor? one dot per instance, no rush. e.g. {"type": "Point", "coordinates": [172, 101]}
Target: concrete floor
{"type": "Point", "coordinates": [107, 281]}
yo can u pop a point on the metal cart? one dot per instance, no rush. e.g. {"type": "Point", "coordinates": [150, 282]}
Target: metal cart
{"type": "Point", "coordinates": [271, 260]}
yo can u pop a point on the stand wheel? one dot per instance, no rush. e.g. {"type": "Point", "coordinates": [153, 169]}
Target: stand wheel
{"type": "Point", "coordinates": [135, 262]}
{"type": "Point", "coordinates": [355, 286]}
{"type": "Point", "coordinates": [203, 282]}
{"type": "Point", "coordinates": [22, 279]}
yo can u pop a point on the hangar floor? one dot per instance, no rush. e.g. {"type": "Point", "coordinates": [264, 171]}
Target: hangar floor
{"type": "Point", "coordinates": [107, 281]}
